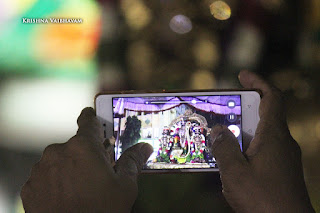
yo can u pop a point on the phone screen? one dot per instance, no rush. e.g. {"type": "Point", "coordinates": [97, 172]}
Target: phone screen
{"type": "Point", "coordinates": [177, 127]}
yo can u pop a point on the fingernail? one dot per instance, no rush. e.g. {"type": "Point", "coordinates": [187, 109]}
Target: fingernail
{"type": "Point", "coordinates": [243, 74]}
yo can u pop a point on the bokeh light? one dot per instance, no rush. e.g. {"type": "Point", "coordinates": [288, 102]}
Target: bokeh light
{"type": "Point", "coordinates": [246, 46]}
{"type": "Point", "coordinates": [202, 79]}
{"type": "Point", "coordinates": [180, 24]}
{"type": "Point", "coordinates": [140, 58]}
{"type": "Point", "coordinates": [137, 14]}
{"type": "Point", "coordinates": [139, 55]}
{"type": "Point", "coordinates": [206, 52]}
{"type": "Point", "coordinates": [74, 40]}
{"type": "Point", "coordinates": [220, 10]}
{"type": "Point", "coordinates": [313, 15]}
{"type": "Point", "coordinates": [305, 130]}
{"type": "Point", "coordinates": [296, 130]}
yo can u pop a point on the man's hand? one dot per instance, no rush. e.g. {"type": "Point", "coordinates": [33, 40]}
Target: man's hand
{"type": "Point", "coordinates": [79, 176]}
{"type": "Point", "coordinates": [269, 176]}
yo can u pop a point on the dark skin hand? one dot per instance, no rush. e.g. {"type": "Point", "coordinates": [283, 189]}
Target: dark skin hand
{"type": "Point", "coordinates": [268, 177]}
{"type": "Point", "coordinates": [80, 175]}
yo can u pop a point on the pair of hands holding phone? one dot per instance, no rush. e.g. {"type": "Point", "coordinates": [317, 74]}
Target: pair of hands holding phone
{"type": "Point", "coordinates": [81, 176]}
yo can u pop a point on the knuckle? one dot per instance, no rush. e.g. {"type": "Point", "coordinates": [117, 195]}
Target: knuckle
{"type": "Point", "coordinates": [51, 153]}
{"type": "Point", "coordinates": [91, 133]}
{"type": "Point", "coordinates": [134, 157]}
{"type": "Point", "coordinates": [52, 148]}
{"type": "Point", "coordinates": [235, 177]}
{"type": "Point", "coordinates": [77, 144]}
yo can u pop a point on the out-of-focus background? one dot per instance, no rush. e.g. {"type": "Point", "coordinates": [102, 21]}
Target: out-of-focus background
{"type": "Point", "coordinates": [49, 72]}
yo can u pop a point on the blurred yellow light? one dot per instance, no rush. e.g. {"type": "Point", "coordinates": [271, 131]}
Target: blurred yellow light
{"type": "Point", "coordinates": [66, 42]}
{"type": "Point", "coordinates": [203, 79]}
{"type": "Point", "coordinates": [302, 88]}
{"type": "Point", "coordinates": [140, 58]}
{"type": "Point", "coordinates": [139, 55]}
{"type": "Point", "coordinates": [18, 205]}
{"type": "Point", "coordinates": [220, 10]}
{"type": "Point", "coordinates": [136, 13]}
{"type": "Point", "coordinates": [206, 53]}
{"type": "Point", "coordinates": [306, 131]}
{"type": "Point", "coordinates": [313, 15]}
{"type": "Point", "coordinates": [296, 130]}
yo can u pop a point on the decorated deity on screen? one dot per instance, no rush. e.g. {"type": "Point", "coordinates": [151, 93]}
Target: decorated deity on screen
{"type": "Point", "coordinates": [197, 144]}
{"type": "Point", "coordinates": [183, 134]}
{"type": "Point", "coordinates": [180, 141]}
{"type": "Point", "coordinates": [165, 145]}
{"type": "Point", "coordinates": [176, 138]}
{"type": "Point", "coordinates": [176, 149]}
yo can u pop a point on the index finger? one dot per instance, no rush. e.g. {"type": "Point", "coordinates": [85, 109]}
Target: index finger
{"type": "Point", "coordinates": [89, 125]}
{"type": "Point", "coordinates": [132, 160]}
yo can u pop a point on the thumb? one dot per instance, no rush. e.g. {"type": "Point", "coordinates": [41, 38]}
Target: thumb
{"type": "Point", "coordinates": [132, 160]}
{"type": "Point", "coordinates": [226, 150]}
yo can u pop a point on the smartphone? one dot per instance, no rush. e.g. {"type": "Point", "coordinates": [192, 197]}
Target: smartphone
{"type": "Point", "coordinates": [177, 124]}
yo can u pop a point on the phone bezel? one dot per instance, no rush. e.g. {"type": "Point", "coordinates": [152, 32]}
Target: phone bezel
{"type": "Point", "coordinates": [250, 100]}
